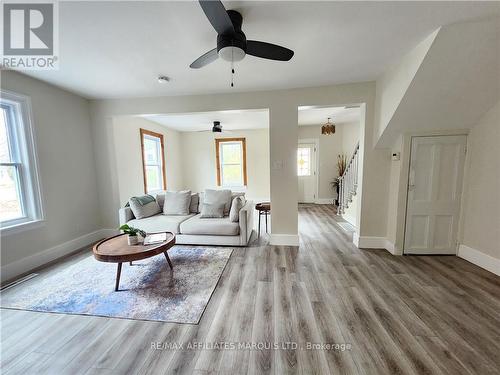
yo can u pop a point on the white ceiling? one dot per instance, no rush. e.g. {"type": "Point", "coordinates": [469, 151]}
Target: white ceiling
{"type": "Point", "coordinates": [317, 116]}
{"type": "Point", "coordinates": [251, 119]}
{"type": "Point", "coordinates": [199, 121]}
{"type": "Point", "coordinates": [117, 49]}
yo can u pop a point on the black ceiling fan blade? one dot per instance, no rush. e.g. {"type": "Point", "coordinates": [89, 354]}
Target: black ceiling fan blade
{"type": "Point", "coordinates": [205, 59]}
{"type": "Point", "coordinates": [217, 15]}
{"type": "Point", "coordinates": [268, 51]}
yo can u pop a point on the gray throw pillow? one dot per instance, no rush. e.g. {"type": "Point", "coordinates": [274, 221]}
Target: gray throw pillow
{"type": "Point", "coordinates": [236, 206]}
{"type": "Point", "coordinates": [177, 202]}
{"type": "Point", "coordinates": [141, 210]}
{"type": "Point", "coordinates": [218, 196]}
{"type": "Point", "coordinates": [195, 200]}
{"type": "Point", "coordinates": [212, 210]}
{"type": "Point", "coordinates": [160, 199]}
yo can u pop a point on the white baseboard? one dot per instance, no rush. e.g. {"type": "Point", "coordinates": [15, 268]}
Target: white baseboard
{"type": "Point", "coordinates": [24, 265]}
{"type": "Point", "coordinates": [284, 239]}
{"type": "Point", "coordinates": [479, 259]}
{"type": "Point", "coordinates": [324, 201]}
{"type": "Point", "coordinates": [370, 242]}
{"type": "Point", "coordinates": [390, 247]}
{"type": "Point", "coordinates": [355, 239]}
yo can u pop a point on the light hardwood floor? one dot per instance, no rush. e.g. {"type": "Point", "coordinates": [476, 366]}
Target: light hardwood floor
{"type": "Point", "coordinates": [405, 315]}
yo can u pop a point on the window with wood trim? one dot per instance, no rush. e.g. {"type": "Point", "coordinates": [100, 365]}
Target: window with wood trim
{"type": "Point", "coordinates": [153, 161]}
{"type": "Point", "coordinates": [231, 161]}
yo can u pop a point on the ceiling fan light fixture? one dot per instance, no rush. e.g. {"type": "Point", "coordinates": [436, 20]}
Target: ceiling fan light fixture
{"type": "Point", "coordinates": [217, 128]}
{"type": "Point", "coordinates": [231, 53]}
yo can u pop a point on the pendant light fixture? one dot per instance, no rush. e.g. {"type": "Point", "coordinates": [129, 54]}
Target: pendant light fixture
{"type": "Point", "coordinates": [328, 128]}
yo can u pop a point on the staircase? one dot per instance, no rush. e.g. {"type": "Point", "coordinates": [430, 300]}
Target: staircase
{"type": "Point", "coordinates": [348, 182]}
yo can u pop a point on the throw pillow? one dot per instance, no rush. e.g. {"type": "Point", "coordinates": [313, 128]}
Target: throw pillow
{"type": "Point", "coordinates": [195, 200]}
{"type": "Point", "coordinates": [144, 206]}
{"type": "Point", "coordinates": [160, 199]}
{"type": "Point", "coordinates": [236, 206]}
{"type": "Point", "coordinates": [177, 202]}
{"type": "Point", "coordinates": [212, 210]}
{"type": "Point", "coordinates": [218, 196]}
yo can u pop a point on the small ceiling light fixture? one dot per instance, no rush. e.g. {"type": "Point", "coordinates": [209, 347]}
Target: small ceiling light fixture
{"type": "Point", "coordinates": [328, 128]}
{"type": "Point", "coordinates": [163, 79]}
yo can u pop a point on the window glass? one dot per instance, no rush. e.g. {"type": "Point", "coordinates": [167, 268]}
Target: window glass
{"type": "Point", "coordinates": [152, 159]}
{"type": "Point", "coordinates": [19, 191]}
{"type": "Point", "coordinates": [231, 162]}
{"type": "Point", "coordinates": [304, 161]}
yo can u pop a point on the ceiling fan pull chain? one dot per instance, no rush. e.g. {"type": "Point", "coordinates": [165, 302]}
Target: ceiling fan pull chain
{"type": "Point", "coordinates": [232, 69]}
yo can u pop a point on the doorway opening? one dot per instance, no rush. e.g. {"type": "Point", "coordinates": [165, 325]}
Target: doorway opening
{"type": "Point", "coordinates": [328, 142]}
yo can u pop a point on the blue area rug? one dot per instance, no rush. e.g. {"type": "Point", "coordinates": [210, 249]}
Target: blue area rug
{"type": "Point", "coordinates": [149, 290]}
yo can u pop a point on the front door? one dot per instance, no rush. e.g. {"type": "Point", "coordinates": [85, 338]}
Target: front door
{"type": "Point", "coordinates": [306, 171]}
{"type": "Point", "coordinates": [434, 192]}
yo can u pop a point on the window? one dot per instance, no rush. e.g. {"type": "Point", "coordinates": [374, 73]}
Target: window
{"type": "Point", "coordinates": [231, 162]}
{"type": "Point", "coordinates": [304, 161]}
{"type": "Point", "coordinates": [20, 201]}
{"type": "Point", "coordinates": [153, 161]}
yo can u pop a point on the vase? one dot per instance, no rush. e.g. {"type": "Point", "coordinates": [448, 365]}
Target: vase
{"type": "Point", "coordinates": [132, 240]}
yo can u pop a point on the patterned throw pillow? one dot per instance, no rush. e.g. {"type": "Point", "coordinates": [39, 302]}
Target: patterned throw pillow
{"type": "Point", "coordinates": [141, 209]}
{"type": "Point", "coordinates": [210, 211]}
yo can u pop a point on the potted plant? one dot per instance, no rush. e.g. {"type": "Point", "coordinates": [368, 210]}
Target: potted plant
{"type": "Point", "coordinates": [341, 167]}
{"type": "Point", "coordinates": [132, 234]}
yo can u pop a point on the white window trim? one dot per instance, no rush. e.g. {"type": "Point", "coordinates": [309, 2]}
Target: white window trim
{"type": "Point", "coordinates": [31, 177]}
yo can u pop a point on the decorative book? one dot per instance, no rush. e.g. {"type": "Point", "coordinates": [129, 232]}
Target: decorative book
{"type": "Point", "coordinates": [152, 239]}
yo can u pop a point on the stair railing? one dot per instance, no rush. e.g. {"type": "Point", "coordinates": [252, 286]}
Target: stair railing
{"type": "Point", "coordinates": [348, 182]}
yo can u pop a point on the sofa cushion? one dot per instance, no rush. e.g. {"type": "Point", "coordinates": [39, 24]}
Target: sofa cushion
{"type": "Point", "coordinates": [218, 196]}
{"type": "Point", "coordinates": [193, 206]}
{"type": "Point", "coordinates": [159, 223]}
{"type": "Point", "coordinates": [141, 209]}
{"type": "Point", "coordinates": [216, 227]}
{"type": "Point", "coordinates": [177, 202]}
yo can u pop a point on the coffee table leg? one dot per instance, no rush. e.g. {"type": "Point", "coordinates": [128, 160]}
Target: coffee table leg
{"type": "Point", "coordinates": [118, 273]}
{"type": "Point", "coordinates": [258, 235]}
{"type": "Point", "coordinates": [168, 260]}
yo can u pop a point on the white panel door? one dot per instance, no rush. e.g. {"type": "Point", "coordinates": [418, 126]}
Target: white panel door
{"type": "Point", "coordinates": [306, 172]}
{"type": "Point", "coordinates": [434, 191]}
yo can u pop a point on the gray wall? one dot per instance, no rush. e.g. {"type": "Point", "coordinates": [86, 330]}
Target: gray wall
{"type": "Point", "coordinates": [61, 125]}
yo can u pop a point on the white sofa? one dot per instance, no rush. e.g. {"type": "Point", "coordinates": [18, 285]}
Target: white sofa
{"type": "Point", "coordinates": [193, 230]}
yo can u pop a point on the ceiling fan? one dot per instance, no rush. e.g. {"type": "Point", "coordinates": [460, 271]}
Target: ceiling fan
{"type": "Point", "coordinates": [232, 44]}
{"type": "Point", "coordinates": [216, 128]}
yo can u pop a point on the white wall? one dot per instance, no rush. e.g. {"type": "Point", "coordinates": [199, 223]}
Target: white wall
{"type": "Point", "coordinates": [127, 140]}
{"type": "Point", "coordinates": [455, 84]}
{"type": "Point", "coordinates": [61, 125]}
{"type": "Point", "coordinates": [330, 146]}
{"type": "Point", "coordinates": [481, 211]}
{"type": "Point", "coordinates": [394, 193]}
{"type": "Point", "coordinates": [198, 154]}
{"type": "Point", "coordinates": [392, 85]}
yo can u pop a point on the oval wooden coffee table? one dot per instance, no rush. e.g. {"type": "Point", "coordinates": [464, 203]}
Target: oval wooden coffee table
{"type": "Point", "coordinates": [116, 250]}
